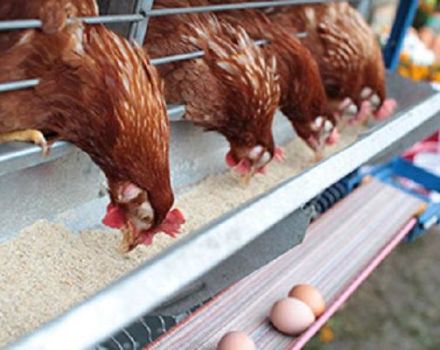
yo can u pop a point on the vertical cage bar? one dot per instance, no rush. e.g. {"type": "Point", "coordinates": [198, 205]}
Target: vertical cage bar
{"type": "Point", "coordinates": [138, 30]}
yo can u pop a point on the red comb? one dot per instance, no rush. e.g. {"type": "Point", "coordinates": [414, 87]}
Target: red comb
{"type": "Point", "coordinates": [230, 160]}
{"type": "Point", "coordinates": [176, 216]}
{"type": "Point", "coordinates": [114, 217]}
{"type": "Point", "coordinates": [170, 226]}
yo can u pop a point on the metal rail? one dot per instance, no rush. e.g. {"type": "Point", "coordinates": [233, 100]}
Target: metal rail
{"type": "Point", "coordinates": [35, 23]}
{"type": "Point", "coordinates": [18, 85]}
{"type": "Point", "coordinates": [20, 24]}
{"type": "Point", "coordinates": [227, 7]}
{"type": "Point", "coordinates": [25, 84]}
{"type": "Point", "coordinates": [135, 294]}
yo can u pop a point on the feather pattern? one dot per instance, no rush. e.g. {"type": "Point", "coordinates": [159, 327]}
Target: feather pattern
{"type": "Point", "coordinates": [96, 91]}
{"type": "Point", "coordinates": [344, 46]}
{"type": "Point", "coordinates": [234, 89]}
{"type": "Point", "coordinates": [303, 97]}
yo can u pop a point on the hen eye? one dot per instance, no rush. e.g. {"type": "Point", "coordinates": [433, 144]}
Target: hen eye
{"type": "Point", "coordinates": [145, 217]}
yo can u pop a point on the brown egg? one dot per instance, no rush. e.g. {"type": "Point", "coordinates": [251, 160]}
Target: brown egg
{"type": "Point", "coordinates": [309, 295]}
{"type": "Point", "coordinates": [236, 341]}
{"type": "Point", "coordinates": [291, 316]}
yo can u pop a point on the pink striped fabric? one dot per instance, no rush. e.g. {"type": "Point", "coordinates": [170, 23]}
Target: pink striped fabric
{"type": "Point", "coordinates": [337, 248]}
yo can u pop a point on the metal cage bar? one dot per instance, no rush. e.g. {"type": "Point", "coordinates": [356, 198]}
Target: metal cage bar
{"type": "Point", "coordinates": [138, 30]}
{"type": "Point", "coordinates": [24, 84]}
{"type": "Point", "coordinates": [18, 85]}
{"type": "Point", "coordinates": [20, 24]}
{"type": "Point", "coordinates": [139, 25]}
{"type": "Point", "coordinates": [34, 23]}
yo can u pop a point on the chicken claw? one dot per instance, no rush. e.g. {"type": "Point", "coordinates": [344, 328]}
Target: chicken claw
{"type": "Point", "coordinates": [29, 135]}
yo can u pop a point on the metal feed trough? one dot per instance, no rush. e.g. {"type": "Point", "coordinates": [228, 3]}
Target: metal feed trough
{"type": "Point", "coordinates": [34, 187]}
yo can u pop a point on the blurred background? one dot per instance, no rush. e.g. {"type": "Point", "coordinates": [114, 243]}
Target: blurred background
{"type": "Point", "coordinates": [397, 307]}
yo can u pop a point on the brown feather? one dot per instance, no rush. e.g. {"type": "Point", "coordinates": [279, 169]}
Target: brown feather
{"type": "Point", "coordinates": [233, 89]}
{"type": "Point", "coordinates": [303, 97]}
{"type": "Point", "coordinates": [343, 44]}
{"type": "Point", "coordinates": [96, 91]}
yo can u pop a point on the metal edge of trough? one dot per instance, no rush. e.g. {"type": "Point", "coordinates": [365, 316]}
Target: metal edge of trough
{"type": "Point", "coordinates": [140, 291]}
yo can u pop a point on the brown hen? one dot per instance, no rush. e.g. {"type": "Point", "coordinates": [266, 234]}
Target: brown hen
{"type": "Point", "coordinates": [303, 98]}
{"type": "Point", "coordinates": [233, 89]}
{"type": "Point", "coordinates": [99, 93]}
{"type": "Point", "coordinates": [349, 58]}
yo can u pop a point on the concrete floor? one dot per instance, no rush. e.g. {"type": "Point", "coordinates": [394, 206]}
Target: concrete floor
{"type": "Point", "coordinates": [398, 307]}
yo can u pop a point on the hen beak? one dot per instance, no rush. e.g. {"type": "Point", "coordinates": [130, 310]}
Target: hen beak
{"type": "Point", "coordinates": [130, 237]}
{"type": "Point", "coordinates": [128, 240]}
{"type": "Point", "coordinates": [246, 178]}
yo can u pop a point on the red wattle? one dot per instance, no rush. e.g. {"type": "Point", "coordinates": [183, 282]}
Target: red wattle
{"type": "Point", "coordinates": [230, 160]}
{"type": "Point", "coordinates": [243, 167]}
{"type": "Point", "coordinates": [170, 226]}
{"type": "Point", "coordinates": [114, 217]}
{"type": "Point", "coordinates": [262, 170]}
{"type": "Point", "coordinates": [333, 137]}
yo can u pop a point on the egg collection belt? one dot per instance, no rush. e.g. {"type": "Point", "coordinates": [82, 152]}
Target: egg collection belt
{"type": "Point", "coordinates": [150, 327]}
{"type": "Point", "coordinates": [373, 218]}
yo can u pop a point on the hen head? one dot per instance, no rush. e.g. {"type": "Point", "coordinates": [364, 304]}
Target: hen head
{"type": "Point", "coordinates": [315, 120]}
{"type": "Point", "coordinates": [131, 210]}
{"type": "Point", "coordinates": [319, 132]}
{"type": "Point", "coordinates": [252, 93]}
{"type": "Point", "coordinates": [246, 160]}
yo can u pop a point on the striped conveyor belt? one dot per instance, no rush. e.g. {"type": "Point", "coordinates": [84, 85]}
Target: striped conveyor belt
{"type": "Point", "coordinates": [337, 248]}
{"type": "Point", "coordinates": [150, 327]}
